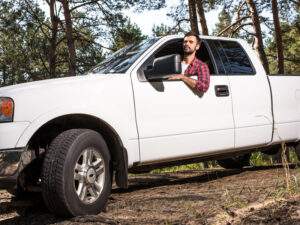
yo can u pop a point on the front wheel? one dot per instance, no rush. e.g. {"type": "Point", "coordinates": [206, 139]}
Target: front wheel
{"type": "Point", "coordinates": [76, 174]}
{"type": "Point", "coordinates": [237, 162]}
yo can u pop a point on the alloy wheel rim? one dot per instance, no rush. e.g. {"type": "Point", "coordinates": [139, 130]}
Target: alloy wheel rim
{"type": "Point", "coordinates": [89, 176]}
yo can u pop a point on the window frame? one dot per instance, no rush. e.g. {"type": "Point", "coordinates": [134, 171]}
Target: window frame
{"type": "Point", "coordinates": [213, 59]}
{"type": "Point", "coordinates": [203, 41]}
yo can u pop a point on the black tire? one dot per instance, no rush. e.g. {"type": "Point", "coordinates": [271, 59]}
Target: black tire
{"type": "Point", "coordinates": [18, 193]}
{"type": "Point", "coordinates": [58, 187]}
{"type": "Point", "coordinates": [237, 162]}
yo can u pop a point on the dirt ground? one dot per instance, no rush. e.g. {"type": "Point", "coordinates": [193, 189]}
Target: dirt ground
{"type": "Point", "coordinates": [251, 196]}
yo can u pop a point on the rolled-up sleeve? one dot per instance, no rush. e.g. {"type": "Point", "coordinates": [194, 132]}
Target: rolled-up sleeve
{"type": "Point", "coordinates": [203, 81]}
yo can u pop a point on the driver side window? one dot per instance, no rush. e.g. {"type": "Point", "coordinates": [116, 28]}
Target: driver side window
{"type": "Point", "coordinates": [175, 47]}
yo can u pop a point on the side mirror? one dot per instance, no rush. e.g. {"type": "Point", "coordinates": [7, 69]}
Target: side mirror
{"type": "Point", "coordinates": [163, 67]}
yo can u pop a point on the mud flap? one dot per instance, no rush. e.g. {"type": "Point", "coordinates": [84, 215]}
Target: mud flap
{"type": "Point", "coordinates": [121, 176]}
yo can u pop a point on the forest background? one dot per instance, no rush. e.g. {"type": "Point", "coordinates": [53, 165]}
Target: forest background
{"type": "Point", "coordinates": [42, 39]}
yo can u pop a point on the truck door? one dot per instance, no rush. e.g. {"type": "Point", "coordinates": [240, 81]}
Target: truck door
{"type": "Point", "coordinates": [249, 89]}
{"type": "Point", "coordinates": [175, 122]}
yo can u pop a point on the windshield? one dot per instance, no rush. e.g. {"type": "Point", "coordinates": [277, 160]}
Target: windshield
{"type": "Point", "coordinates": [120, 61]}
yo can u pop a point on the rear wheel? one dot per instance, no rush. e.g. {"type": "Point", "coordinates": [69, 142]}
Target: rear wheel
{"type": "Point", "coordinates": [237, 162]}
{"type": "Point", "coordinates": [76, 174]}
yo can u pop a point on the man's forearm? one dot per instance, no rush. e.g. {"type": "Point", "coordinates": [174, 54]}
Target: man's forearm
{"type": "Point", "coordinates": [189, 81]}
{"type": "Point", "coordinates": [200, 86]}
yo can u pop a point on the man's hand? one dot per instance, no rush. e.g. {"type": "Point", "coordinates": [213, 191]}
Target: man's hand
{"type": "Point", "coordinates": [177, 77]}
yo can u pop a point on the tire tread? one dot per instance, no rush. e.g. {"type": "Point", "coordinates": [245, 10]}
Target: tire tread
{"type": "Point", "coordinates": [52, 173]}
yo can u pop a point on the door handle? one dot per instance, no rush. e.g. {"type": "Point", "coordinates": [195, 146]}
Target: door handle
{"type": "Point", "coordinates": [222, 90]}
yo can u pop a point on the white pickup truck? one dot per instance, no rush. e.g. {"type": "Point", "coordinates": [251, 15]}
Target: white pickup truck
{"type": "Point", "coordinates": [71, 136]}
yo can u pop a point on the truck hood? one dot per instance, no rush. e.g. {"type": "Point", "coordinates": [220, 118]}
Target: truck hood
{"type": "Point", "coordinates": [57, 82]}
{"type": "Point", "coordinates": [34, 99]}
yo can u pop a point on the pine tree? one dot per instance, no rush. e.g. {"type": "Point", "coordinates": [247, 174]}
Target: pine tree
{"type": "Point", "coordinates": [291, 35]}
{"type": "Point", "coordinates": [224, 22]}
{"type": "Point", "coordinates": [127, 34]}
{"type": "Point", "coordinates": [278, 37]}
{"type": "Point", "coordinates": [259, 45]}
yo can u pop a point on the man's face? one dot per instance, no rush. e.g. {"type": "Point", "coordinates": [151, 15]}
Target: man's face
{"type": "Point", "coordinates": [190, 45]}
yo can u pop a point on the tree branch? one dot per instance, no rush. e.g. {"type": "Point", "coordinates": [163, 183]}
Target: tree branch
{"type": "Point", "coordinates": [43, 62]}
{"type": "Point", "coordinates": [240, 27]}
{"type": "Point", "coordinates": [31, 12]}
{"type": "Point", "coordinates": [81, 34]}
{"type": "Point", "coordinates": [232, 25]}
{"type": "Point", "coordinates": [83, 4]}
{"type": "Point", "coordinates": [240, 9]}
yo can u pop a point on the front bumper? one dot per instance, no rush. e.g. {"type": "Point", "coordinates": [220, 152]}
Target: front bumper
{"type": "Point", "coordinates": [12, 161]}
{"type": "Point", "coordinates": [10, 133]}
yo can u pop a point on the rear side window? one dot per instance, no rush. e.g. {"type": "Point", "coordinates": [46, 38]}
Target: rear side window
{"type": "Point", "coordinates": [231, 58]}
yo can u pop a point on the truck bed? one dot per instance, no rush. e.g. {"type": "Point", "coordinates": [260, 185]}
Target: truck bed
{"type": "Point", "coordinates": [286, 107]}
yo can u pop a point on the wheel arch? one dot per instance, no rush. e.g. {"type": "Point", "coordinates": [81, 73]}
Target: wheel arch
{"type": "Point", "coordinates": [44, 135]}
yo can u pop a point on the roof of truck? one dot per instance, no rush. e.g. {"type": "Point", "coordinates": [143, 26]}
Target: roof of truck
{"type": "Point", "coordinates": [203, 37]}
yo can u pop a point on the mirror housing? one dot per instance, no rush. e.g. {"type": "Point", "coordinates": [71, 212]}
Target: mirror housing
{"type": "Point", "coordinates": [163, 67]}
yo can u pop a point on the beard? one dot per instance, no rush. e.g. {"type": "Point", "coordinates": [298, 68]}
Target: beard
{"type": "Point", "coordinates": [188, 51]}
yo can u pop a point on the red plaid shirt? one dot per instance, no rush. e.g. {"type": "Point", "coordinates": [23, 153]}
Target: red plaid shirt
{"type": "Point", "coordinates": [199, 68]}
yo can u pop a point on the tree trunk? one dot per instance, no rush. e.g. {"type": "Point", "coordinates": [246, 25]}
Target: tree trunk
{"type": "Point", "coordinates": [193, 16]}
{"type": "Point", "coordinates": [202, 17]}
{"type": "Point", "coordinates": [53, 41]}
{"type": "Point", "coordinates": [259, 45]}
{"type": "Point", "coordinates": [278, 37]}
{"type": "Point", "coordinates": [70, 39]}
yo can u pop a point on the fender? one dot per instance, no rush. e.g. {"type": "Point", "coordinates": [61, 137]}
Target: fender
{"type": "Point", "coordinates": [120, 126]}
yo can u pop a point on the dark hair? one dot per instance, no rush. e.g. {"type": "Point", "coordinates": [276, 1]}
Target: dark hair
{"type": "Point", "coordinates": [191, 33]}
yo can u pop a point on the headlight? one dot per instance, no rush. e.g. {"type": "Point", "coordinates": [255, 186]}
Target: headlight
{"type": "Point", "coordinates": [6, 109]}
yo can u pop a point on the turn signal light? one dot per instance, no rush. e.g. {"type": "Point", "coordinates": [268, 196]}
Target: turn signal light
{"type": "Point", "coordinates": [6, 109]}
